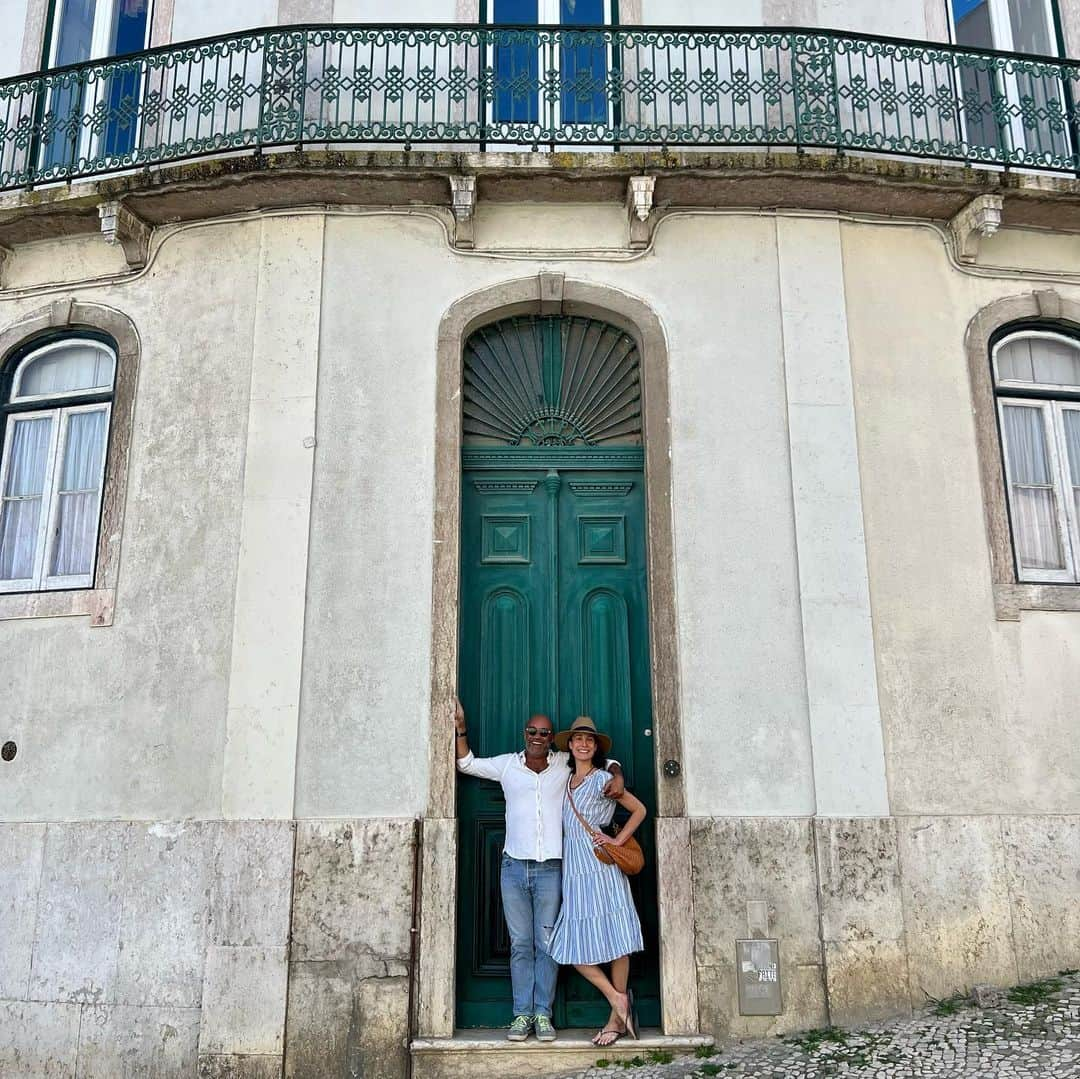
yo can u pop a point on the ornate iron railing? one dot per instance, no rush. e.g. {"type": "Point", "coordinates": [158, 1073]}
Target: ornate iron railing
{"type": "Point", "coordinates": [539, 87]}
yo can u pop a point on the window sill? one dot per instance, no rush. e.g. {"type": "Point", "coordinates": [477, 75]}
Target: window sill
{"type": "Point", "coordinates": [1011, 599]}
{"type": "Point", "coordinates": [96, 603]}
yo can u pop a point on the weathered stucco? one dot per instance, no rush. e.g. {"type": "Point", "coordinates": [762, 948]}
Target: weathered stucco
{"type": "Point", "coordinates": [272, 641]}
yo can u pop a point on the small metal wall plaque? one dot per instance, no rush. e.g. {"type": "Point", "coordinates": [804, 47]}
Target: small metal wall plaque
{"type": "Point", "coordinates": [758, 965]}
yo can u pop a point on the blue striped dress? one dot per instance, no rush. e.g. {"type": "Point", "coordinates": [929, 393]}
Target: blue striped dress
{"type": "Point", "coordinates": [597, 922]}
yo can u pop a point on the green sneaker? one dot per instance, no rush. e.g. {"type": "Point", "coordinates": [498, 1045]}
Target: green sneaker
{"type": "Point", "coordinates": [545, 1032]}
{"type": "Point", "coordinates": [519, 1028]}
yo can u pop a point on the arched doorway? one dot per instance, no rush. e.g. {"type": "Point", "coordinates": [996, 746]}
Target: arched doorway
{"type": "Point", "coordinates": [554, 606]}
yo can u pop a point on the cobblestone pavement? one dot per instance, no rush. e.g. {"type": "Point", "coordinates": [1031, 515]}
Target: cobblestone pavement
{"type": "Point", "coordinates": [1029, 1032]}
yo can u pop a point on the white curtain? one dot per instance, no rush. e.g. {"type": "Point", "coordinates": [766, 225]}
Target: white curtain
{"type": "Point", "coordinates": [1071, 419]}
{"type": "Point", "coordinates": [28, 453]}
{"type": "Point", "coordinates": [81, 366]}
{"type": "Point", "coordinates": [80, 481]}
{"type": "Point", "coordinates": [1034, 510]}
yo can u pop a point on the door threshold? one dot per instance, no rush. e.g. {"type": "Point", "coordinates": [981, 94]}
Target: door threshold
{"type": "Point", "coordinates": [486, 1052]}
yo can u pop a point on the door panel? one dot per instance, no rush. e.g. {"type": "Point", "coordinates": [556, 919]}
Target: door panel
{"type": "Point", "coordinates": [553, 619]}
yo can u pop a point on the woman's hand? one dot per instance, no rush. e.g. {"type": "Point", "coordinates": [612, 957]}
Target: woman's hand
{"type": "Point", "coordinates": [602, 839]}
{"type": "Point", "coordinates": [459, 717]}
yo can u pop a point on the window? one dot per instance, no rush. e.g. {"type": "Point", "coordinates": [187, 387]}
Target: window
{"type": "Point", "coordinates": [87, 30]}
{"type": "Point", "coordinates": [582, 66]}
{"type": "Point", "coordinates": [56, 428]}
{"type": "Point", "coordinates": [1016, 109]}
{"type": "Point", "coordinates": [1037, 383]}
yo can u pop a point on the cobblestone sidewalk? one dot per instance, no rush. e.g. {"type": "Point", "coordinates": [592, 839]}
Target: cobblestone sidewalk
{"type": "Point", "coordinates": [1031, 1032]}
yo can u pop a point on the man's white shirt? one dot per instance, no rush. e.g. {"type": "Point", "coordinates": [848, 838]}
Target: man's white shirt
{"type": "Point", "coordinates": [534, 800]}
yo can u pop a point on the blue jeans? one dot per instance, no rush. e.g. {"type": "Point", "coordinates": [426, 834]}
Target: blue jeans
{"type": "Point", "coordinates": [531, 894]}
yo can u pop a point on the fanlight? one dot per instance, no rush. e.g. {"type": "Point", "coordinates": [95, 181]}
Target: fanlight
{"type": "Point", "coordinates": [552, 382]}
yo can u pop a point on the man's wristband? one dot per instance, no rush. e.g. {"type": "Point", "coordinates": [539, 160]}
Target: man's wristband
{"type": "Point", "coordinates": [461, 734]}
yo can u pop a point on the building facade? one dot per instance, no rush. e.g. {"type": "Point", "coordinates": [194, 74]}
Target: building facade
{"type": "Point", "coordinates": [722, 384]}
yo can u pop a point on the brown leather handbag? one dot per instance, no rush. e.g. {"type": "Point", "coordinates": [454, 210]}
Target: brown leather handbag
{"type": "Point", "coordinates": [630, 858]}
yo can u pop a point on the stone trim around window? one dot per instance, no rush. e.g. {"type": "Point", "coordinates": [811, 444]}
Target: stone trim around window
{"type": "Point", "coordinates": [1010, 595]}
{"type": "Point", "coordinates": [98, 602]}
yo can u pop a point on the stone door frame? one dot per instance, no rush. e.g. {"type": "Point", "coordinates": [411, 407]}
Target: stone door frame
{"type": "Point", "coordinates": [553, 294]}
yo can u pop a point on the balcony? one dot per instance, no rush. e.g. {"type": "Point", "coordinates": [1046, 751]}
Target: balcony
{"type": "Point", "coordinates": [488, 88]}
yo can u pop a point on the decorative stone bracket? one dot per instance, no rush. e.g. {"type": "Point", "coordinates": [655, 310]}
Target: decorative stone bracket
{"type": "Point", "coordinates": [5, 254]}
{"type": "Point", "coordinates": [979, 219]}
{"type": "Point", "coordinates": [463, 203]}
{"type": "Point", "coordinates": [639, 209]}
{"type": "Point", "coordinates": [120, 226]}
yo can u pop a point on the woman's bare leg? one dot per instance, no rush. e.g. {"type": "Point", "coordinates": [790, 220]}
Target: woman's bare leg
{"type": "Point", "coordinates": [616, 997]}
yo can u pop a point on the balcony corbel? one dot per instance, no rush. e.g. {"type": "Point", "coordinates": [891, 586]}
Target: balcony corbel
{"type": "Point", "coordinates": [463, 203]}
{"type": "Point", "coordinates": [120, 226]}
{"type": "Point", "coordinates": [639, 209]}
{"type": "Point", "coordinates": [977, 221]}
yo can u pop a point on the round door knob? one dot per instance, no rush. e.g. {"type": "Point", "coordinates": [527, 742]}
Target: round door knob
{"type": "Point", "coordinates": [672, 769]}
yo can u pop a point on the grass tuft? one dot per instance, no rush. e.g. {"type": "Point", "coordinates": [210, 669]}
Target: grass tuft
{"type": "Point", "coordinates": [703, 1052]}
{"type": "Point", "coordinates": [1035, 992]}
{"type": "Point", "coordinates": [810, 1040]}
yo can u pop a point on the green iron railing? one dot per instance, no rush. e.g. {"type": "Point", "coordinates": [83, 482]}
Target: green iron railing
{"type": "Point", "coordinates": [538, 87]}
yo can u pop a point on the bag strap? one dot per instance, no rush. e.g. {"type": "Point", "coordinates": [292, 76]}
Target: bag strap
{"type": "Point", "coordinates": [584, 823]}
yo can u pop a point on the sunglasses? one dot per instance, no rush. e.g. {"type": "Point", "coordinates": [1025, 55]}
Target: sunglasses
{"type": "Point", "coordinates": [547, 732]}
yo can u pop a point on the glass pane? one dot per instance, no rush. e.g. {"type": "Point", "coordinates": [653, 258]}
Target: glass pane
{"type": "Point", "coordinates": [18, 538]}
{"type": "Point", "coordinates": [517, 64]}
{"type": "Point", "coordinates": [1025, 444]}
{"type": "Point", "coordinates": [128, 35]}
{"type": "Point", "coordinates": [584, 65]}
{"type": "Point", "coordinates": [28, 457]}
{"type": "Point", "coordinates": [81, 366]}
{"type": "Point", "coordinates": [77, 518]}
{"type": "Point", "coordinates": [1035, 524]}
{"type": "Point", "coordinates": [83, 451]}
{"type": "Point", "coordinates": [76, 525]}
{"type": "Point", "coordinates": [972, 21]}
{"type": "Point", "coordinates": [1071, 419]}
{"type": "Point", "coordinates": [1014, 360]}
{"type": "Point", "coordinates": [74, 35]}
{"type": "Point", "coordinates": [1030, 31]}
{"type": "Point", "coordinates": [1055, 362]}
{"type": "Point", "coordinates": [75, 32]}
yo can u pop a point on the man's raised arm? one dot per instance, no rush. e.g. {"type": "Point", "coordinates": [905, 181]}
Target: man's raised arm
{"type": "Point", "coordinates": [483, 767]}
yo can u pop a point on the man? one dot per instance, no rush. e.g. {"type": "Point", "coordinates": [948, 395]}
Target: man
{"type": "Point", "coordinates": [533, 783]}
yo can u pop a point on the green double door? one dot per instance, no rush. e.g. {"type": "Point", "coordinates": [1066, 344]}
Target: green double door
{"type": "Point", "coordinates": [553, 620]}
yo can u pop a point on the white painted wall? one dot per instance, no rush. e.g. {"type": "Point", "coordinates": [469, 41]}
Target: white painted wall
{"type": "Point", "coordinates": [976, 715]}
{"type": "Point", "coordinates": [207, 18]}
{"type": "Point", "coordinates": [12, 23]}
{"type": "Point", "coordinates": [979, 715]}
{"type": "Point", "coordinates": [905, 18]}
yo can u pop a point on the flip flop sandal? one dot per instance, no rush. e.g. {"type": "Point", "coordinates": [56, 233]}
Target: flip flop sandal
{"type": "Point", "coordinates": [607, 1045]}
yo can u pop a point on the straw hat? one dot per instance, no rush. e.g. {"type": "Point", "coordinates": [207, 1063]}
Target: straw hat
{"type": "Point", "coordinates": [583, 723]}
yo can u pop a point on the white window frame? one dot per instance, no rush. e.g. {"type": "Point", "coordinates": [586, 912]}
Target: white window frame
{"type": "Point", "coordinates": [1002, 33]}
{"type": "Point", "coordinates": [547, 14]}
{"type": "Point", "coordinates": [104, 15]}
{"type": "Point", "coordinates": [43, 580]}
{"type": "Point", "coordinates": [1052, 410]}
{"type": "Point", "coordinates": [56, 346]}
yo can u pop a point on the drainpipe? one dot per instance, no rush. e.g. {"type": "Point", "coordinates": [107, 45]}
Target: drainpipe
{"type": "Point", "coordinates": [414, 942]}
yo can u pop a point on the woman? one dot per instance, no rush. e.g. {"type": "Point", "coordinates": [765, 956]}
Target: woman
{"type": "Point", "coordinates": [597, 923]}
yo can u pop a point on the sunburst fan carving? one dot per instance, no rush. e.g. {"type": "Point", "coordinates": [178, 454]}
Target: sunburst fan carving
{"type": "Point", "coordinates": [552, 382]}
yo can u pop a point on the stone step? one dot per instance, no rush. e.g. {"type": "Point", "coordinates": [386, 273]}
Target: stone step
{"type": "Point", "coordinates": [472, 1054]}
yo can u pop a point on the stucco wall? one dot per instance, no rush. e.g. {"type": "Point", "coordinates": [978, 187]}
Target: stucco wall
{"type": "Point", "coordinates": [134, 727]}
{"type": "Point", "coordinates": [12, 21]}
{"type": "Point", "coordinates": [979, 714]}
